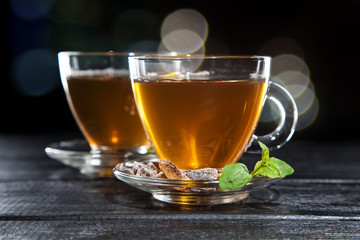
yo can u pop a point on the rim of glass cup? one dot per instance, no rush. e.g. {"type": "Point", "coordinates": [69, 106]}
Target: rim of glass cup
{"type": "Point", "coordinates": [179, 57]}
{"type": "Point", "coordinates": [154, 55]}
{"type": "Point", "coordinates": [97, 53]}
{"type": "Point", "coordinates": [113, 53]}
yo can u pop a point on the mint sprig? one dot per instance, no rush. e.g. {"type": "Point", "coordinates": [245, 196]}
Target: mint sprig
{"type": "Point", "coordinates": [236, 175]}
{"type": "Point", "coordinates": [270, 166]}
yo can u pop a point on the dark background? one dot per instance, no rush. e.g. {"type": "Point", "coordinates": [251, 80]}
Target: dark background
{"type": "Point", "coordinates": [327, 33]}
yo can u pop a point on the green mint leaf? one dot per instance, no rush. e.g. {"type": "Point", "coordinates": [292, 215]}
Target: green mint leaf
{"type": "Point", "coordinates": [257, 167]}
{"type": "Point", "coordinates": [268, 169]}
{"type": "Point", "coordinates": [258, 164]}
{"type": "Point", "coordinates": [271, 167]}
{"type": "Point", "coordinates": [234, 176]}
{"type": "Point", "coordinates": [283, 168]}
{"type": "Point", "coordinates": [264, 157]}
{"type": "Point", "coordinates": [265, 151]}
{"type": "Point", "coordinates": [274, 168]}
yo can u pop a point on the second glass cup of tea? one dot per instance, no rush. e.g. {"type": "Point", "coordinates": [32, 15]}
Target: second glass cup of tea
{"type": "Point", "coordinates": [99, 93]}
{"type": "Point", "coordinates": [202, 111]}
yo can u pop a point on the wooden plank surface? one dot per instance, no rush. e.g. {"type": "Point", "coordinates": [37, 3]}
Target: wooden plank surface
{"type": "Point", "coordinates": [181, 229]}
{"type": "Point", "coordinates": [42, 199]}
{"type": "Point", "coordinates": [111, 198]}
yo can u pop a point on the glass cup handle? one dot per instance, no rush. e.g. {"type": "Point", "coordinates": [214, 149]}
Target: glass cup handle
{"type": "Point", "coordinates": [287, 124]}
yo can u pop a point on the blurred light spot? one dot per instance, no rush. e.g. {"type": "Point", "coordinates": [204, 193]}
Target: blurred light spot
{"type": "Point", "coordinates": [175, 66]}
{"type": "Point", "coordinates": [308, 117]}
{"type": "Point", "coordinates": [288, 62]}
{"type": "Point", "coordinates": [305, 100]}
{"type": "Point", "coordinates": [114, 139]}
{"type": "Point", "coordinates": [277, 80]}
{"type": "Point", "coordinates": [184, 31]}
{"type": "Point", "coordinates": [296, 82]}
{"type": "Point", "coordinates": [35, 72]}
{"type": "Point", "coordinates": [30, 10]}
{"type": "Point", "coordinates": [164, 50]}
{"type": "Point", "coordinates": [293, 73]}
{"type": "Point", "coordinates": [182, 41]}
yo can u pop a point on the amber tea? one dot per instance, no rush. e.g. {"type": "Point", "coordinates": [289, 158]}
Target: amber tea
{"type": "Point", "coordinates": [199, 124]}
{"type": "Point", "coordinates": [105, 110]}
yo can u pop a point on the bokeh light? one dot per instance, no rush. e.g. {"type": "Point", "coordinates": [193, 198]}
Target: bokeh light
{"type": "Point", "coordinates": [162, 49]}
{"type": "Point", "coordinates": [35, 72]}
{"type": "Point", "coordinates": [296, 82]}
{"type": "Point", "coordinates": [288, 62]}
{"type": "Point", "coordinates": [292, 72]}
{"type": "Point", "coordinates": [307, 117]}
{"type": "Point", "coordinates": [184, 32]}
{"type": "Point", "coordinates": [183, 41]}
{"type": "Point", "coordinates": [289, 69]}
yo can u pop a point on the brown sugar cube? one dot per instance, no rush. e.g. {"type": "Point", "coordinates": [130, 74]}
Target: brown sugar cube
{"type": "Point", "coordinates": [155, 162]}
{"type": "Point", "coordinates": [171, 171]}
{"type": "Point", "coordinates": [210, 174]}
{"type": "Point", "coordinates": [160, 175]}
{"type": "Point", "coordinates": [145, 170]}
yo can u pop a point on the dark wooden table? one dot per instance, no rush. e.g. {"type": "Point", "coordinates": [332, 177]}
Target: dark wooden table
{"type": "Point", "coordinates": [41, 198]}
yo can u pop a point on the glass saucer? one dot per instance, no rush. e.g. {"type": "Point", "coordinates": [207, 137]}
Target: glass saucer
{"type": "Point", "coordinates": [190, 192]}
{"type": "Point", "coordinates": [76, 153]}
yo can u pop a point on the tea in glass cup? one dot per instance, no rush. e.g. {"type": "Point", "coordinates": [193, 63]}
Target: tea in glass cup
{"type": "Point", "coordinates": [99, 93]}
{"type": "Point", "coordinates": [202, 111]}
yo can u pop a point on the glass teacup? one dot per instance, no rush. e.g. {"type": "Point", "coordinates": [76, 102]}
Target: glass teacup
{"type": "Point", "coordinates": [99, 93]}
{"type": "Point", "coordinates": [202, 111]}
